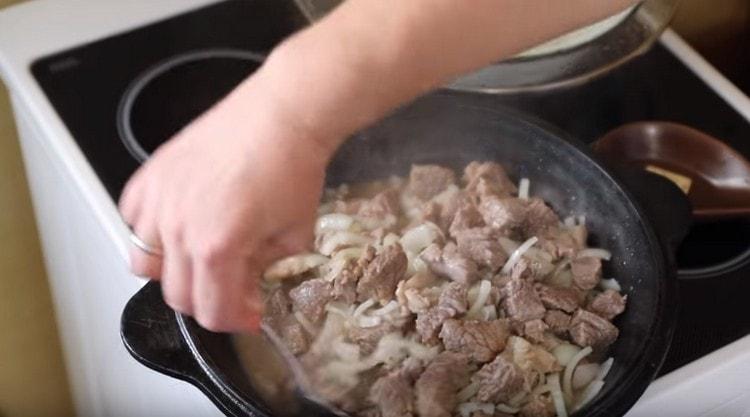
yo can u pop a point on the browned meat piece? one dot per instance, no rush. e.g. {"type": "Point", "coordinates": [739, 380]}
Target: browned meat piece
{"type": "Point", "coordinates": [412, 368]}
{"type": "Point", "coordinates": [278, 307]}
{"type": "Point", "coordinates": [450, 263]}
{"type": "Point", "coordinates": [453, 301]}
{"type": "Point", "coordinates": [350, 206]}
{"type": "Point", "coordinates": [370, 412]}
{"type": "Point", "coordinates": [499, 380]}
{"type": "Point", "coordinates": [488, 179]}
{"type": "Point", "coordinates": [539, 217]}
{"type": "Point", "coordinates": [294, 335]}
{"type": "Point", "coordinates": [467, 217]}
{"type": "Point", "coordinates": [368, 337]}
{"type": "Point", "coordinates": [558, 298]}
{"type": "Point", "coordinates": [382, 275]}
{"type": "Point", "coordinates": [481, 340]}
{"type": "Point", "coordinates": [310, 298]}
{"type": "Point", "coordinates": [580, 234]}
{"type": "Point", "coordinates": [540, 406]}
{"type": "Point", "coordinates": [507, 215]}
{"type": "Point", "coordinates": [345, 282]}
{"type": "Point", "coordinates": [431, 212]}
{"type": "Point", "coordinates": [534, 331]}
{"type": "Point", "coordinates": [481, 247]}
{"type": "Point", "coordinates": [608, 304]}
{"type": "Point", "coordinates": [560, 243]}
{"type": "Point", "coordinates": [393, 394]}
{"type": "Point", "coordinates": [587, 272]}
{"type": "Point", "coordinates": [436, 388]}
{"type": "Point", "coordinates": [557, 321]}
{"type": "Point", "coordinates": [384, 204]}
{"type": "Point", "coordinates": [588, 329]}
{"type": "Point", "coordinates": [427, 181]}
{"type": "Point", "coordinates": [522, 303]}
{"type": "Point", "coordinates": [529, 269]}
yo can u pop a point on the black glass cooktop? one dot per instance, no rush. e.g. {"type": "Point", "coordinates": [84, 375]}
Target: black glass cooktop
{"type": "Point", "coordinates": [122, 96]}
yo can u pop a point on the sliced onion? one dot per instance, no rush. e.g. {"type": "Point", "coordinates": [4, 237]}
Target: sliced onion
{"type": "Point", "coordinates": [467, 392]}
{"type": "Point", "coordinates": [293, 266]}
{"type": "Point", "coordinates": [342, 239]}
{"type": "Point", "coordinates": [485, 287]}
{"type": "Point", "coordinates": [348, 253]}
{"type": "Point", "coordinates": [508, 245]}
{"type": "Point", "coordinates": [518, 253]}
{"type": "Point", "coordinates": [343, 312]}
{"type": "Point", "coordinates": [305, 323]}
{"type": "Point", "coordinates": [489, 313]}
{"type": "Point", "coordinates": [420, 237]}
{"type": "Point", "coordinates": [390, 239]}
{"type": "Point", "coordinates": [569, 222]}
{"type": "Point", "coordinates": [387, 309]}
{"type": "Point", "coordinates": [363, 307]}
{"type": "Point", "coordinates": [467, 409]}
{"type": "Point", "coordinates": [368, 321]}
{"type": "Point", "coordinates": [333, 221]}
{"type": "Point", "coordinates": [595, 253]}
{"type": "Point", "coordinates": [348, 352]}
{"type": "Point", "coordinates": [505, 408]}
{"type": "Point", "coordinates": [588, 394]}
{"type": "Point", "coordinates": [523, 188]}
{"type": "Point", "coordinates": [604, 369]}
{"type": "Point", "coordinates": [584, 374]}
{"type": "Point", "coordinates": [567, 382]}
{"type": "Point", "coordinates": [564, 352]}
{"type": "Point", "coordinates": [610, 284]}
{"type": "Point", "coordinates": [557, 395]}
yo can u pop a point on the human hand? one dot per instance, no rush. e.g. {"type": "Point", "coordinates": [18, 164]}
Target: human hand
{"type": "Point", "coordinates": [235, 190]}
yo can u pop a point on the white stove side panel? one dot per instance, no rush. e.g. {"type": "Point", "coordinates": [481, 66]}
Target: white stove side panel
{"type": "Point", "coordinates": [90, 286]}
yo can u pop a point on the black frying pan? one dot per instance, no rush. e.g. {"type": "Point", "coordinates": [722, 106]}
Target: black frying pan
{"type": "Point", "coordinates": [449, 129]}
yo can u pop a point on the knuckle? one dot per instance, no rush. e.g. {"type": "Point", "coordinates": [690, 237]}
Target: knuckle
{"type": "Point", "coordinates": [214, 253]}
{"type": "Point", "coordinates": [212, 320]}
{"type": "Point", "coordinates": [178, 299]}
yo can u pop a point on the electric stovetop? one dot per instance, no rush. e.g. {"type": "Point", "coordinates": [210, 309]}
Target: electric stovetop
{"type": "Point", "coordinates": [122, 96]}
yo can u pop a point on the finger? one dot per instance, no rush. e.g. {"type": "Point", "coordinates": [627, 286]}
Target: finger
{"type": "Point", "coordinates": [226, 296]}
{"type": "Point", "coordinates": [131, 198]}
{"type": "Point", "coordinates": [177, 280]}
{"type": "Point", "coordinates": [143, 263]}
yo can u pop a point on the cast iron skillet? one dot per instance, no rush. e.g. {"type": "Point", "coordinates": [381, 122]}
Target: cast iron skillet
{"type": "Point", "coordinates": [449, 129]}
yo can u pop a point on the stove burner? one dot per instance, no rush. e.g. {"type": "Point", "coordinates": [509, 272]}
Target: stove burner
{"type": "Point", "coordinates": [714, 249]}
{"type": "Point", "coordinates": [168, 96]}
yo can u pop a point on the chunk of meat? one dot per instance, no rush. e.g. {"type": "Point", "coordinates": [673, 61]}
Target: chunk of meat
{"type": "Point", "coordinates": [384, 204]}
{"type": "Point", "coordinates": [531, 269]}
{"type": "Point", "coordinates": [418, 293]}
{"type": "Point", "coordinates": [467, 217]}
{"type": "Point", "coordinates": [393, 395]}
{"type": "Point", "coordinates": [349, 206]}
{"type": "Point", "coordinates": [482, 247]}
{"type": "Point", "coordinates": [499, 380]}
{"type": "Point", "coordinates": [431, 212]}
{"type": "Point", "coordinates": [427, 181]}
{"type": "Point", "coordinates": [532, 359]}
{"type": "Point", "coordinates": [311, 297]}
{"type": "Point", "coordinates": [382, 275]}
{"type": "Point", "coordinates": [345, 281]}
{"type": "Point", "coordinates": [608, 304]}
{"type": "Point", "coordinates": [278, 307]}
{"type": "Point", "coordinates": [558, 322]}
{"type": "Point", "coordinates": [481, 340]}
{"type": "Point", "coordinates": [558, 298]}
{"type": "Point", "coordinates": [588, 329]}
{"type": "Point", "coordinates": [438, 385]}
{"type": "Point", "coordinates": [367, 338]}
{"type": "Point", "coordinates": [506, 215]}
{"type": "Point", "coordinates": [561, 243]}
{"type": "Point", "coordinates": [294, 335]}
{"type": "Point", "coordinates": [453, 301]}
{"type": "Point", "coordinates": [539, 406]}
{"type": "Point", "coordinates": [535, 331]}
{"type": "Point", "coordinates": [521, 302]}
{"type": "Point", "coordinates": [539, 217]}
{"type": "Point", "coordinates": [587, 272]}
{"type": "Point", "coordinates": [488, 179]}
{"type": "Point", "coordinates": [450, 263]}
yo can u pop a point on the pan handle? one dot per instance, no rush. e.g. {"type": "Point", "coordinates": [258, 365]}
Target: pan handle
{"type": "Point", "coordinates": [667, 208]}
{"type": "Point", "coordinates": [151, 335]}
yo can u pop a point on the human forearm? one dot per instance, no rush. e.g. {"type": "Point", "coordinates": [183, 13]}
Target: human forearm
{"type": "Point", "coordinates": [371, 55]}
